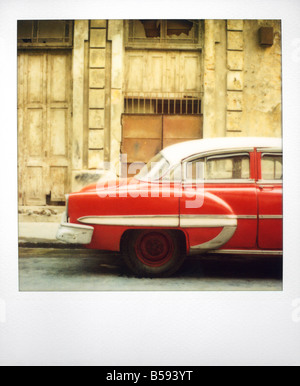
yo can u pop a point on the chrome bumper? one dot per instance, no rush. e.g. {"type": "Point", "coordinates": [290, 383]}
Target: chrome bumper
{"type": "Point", "coordinates": [74, 233]}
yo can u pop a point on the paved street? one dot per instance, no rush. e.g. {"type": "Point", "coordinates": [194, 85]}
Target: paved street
{"type": "Point", "coordinates": [85, 270]}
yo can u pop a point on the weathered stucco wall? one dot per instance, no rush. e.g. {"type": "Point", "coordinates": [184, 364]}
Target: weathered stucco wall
{"type": "Point", "coordinates": [262, 81]}
{"type": "Point", "coordinates": [116, 36]}
{"type": "Point", "coordinates": [221, 78]}
{"type": "Point", "coordinates": [80, 36]}
{"type": "Point", "coordinates": [98, 100]}
{"type": "Point", "coordinates": [242, 79]}
{"type": "Point", "coordinates": [209, 77]}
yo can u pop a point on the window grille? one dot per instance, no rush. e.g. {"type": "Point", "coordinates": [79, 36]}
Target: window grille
{"type": "Point", "coordinates": [162, 103]}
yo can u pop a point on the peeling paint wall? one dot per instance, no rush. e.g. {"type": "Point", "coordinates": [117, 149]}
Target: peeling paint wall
{"type": "Point", "coordinates": [221, 79]}
{"type": "Point", "coordinates": [98, 100]}
{"type": "Point", "coordinates": [262, 81]}
{"type": "Point", "coordinates": [242, 79]}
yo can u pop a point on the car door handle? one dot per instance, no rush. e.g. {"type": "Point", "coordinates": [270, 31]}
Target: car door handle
{"type": "Point", "coordinates": [266, 187]}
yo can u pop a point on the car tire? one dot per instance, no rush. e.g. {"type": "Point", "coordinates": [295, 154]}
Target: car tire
{"type": "Point", "coordinates": [154, 253]}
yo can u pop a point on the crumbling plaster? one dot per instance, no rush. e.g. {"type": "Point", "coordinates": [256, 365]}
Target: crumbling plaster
{"type": "Point", "coordinates": [262, 82]}
{"type": "Point", "coordinates": [242, 79]}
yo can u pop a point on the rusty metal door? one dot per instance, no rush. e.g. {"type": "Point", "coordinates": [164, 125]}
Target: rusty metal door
{"type": "Point", "coordinates": [144, 135]}
{"type": "Point", "coordinates": [181, 128]}
{"type": "Point", "coordinates": [44, 121]}
{"type": "Point", "coordinates": [142, 139]}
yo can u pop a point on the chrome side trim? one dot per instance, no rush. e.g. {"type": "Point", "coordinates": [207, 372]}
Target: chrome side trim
{"type": "Point", "coordinates": [206, 221]}
{"type": "Point", "coordinates": [269, 182]}
{"type": "Point", "coordinates": [221, 152]}
{"type": "Point", "coordinates": [227, 155]}
{"type": "Point", "coordinates": [222, 238]}
{"type": "Point", "coordinates": [173, 221]}
{"type": "Point", "coordinates": [247, 217]}
{"type": "Point", "coordinates": [230, 181]}
{"type": "Point", "coordinates": [270, 217]}
{"type": "Point", "coordinates": [272, 150]}
{"type": "Point", "coordinates": [137, 221]}
{"type": "Point", "coordinates": [246, 252]}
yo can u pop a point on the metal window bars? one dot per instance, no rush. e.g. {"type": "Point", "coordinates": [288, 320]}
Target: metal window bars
{"type": "Point", "coordinates": [162, 103]}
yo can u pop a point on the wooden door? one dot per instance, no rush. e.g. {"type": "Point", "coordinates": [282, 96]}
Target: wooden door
{"type": "Point", "coordinates": [163, 71]}
{"type": "Point", "coordinates": [44, 122]}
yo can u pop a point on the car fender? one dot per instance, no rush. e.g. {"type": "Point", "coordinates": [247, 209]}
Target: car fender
{"type": "Point", "coordinates": [208, 227]}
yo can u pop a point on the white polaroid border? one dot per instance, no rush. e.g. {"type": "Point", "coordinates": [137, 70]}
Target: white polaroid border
{"type": "Point", "coordinates": [149, 328]}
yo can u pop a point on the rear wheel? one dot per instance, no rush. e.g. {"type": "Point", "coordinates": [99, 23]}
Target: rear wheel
{"type": "Point", "coordinates": [153, 253]}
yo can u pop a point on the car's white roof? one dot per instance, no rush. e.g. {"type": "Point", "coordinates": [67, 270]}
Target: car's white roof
{"type": "Point", "coordinates": [176, 153]}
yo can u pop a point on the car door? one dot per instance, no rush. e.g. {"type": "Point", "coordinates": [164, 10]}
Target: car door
{"type": "Point", "coordinates": [229, 194]}
{"type": "Point", "coordinates": [269, 192]}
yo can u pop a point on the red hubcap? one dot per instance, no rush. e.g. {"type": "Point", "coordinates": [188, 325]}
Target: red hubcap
{"type": "Point", "coordinates": [154, 248]}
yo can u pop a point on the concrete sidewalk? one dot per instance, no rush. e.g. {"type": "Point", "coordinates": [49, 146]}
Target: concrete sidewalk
{"type": "Point", "coordinates": [38, 226]}
{"type": "Point", "coordinates": [40, 234]}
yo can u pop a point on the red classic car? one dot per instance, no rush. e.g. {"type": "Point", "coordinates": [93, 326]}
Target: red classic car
{"type": "Point", "coordinates": [221, 195]}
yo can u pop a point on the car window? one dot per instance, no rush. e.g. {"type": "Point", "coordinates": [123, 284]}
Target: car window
{"type": "Point", "coordinates": [271, 166]}
{"type": "Point", "coordinates": [221, 167]}
{"type": "Point", "coordinates": [194, 170]}
{"type": "Point", "coordinates": [173, 175]}
{"type": "Point", "coordinates": [228, 167]}
{"type": "Point", "coordinates": [155, 169]}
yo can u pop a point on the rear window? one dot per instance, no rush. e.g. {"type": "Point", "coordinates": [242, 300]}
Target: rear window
{"type": "Point", "coordinates": [271, 166]}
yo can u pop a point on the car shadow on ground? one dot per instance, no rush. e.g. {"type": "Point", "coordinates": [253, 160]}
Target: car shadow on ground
{"type": "Point", "coordinates": [91, 262]}
{"type": "Point", "coordinates": [232, 266]}
{"type": "Point", "coordinates": [200, 266]}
